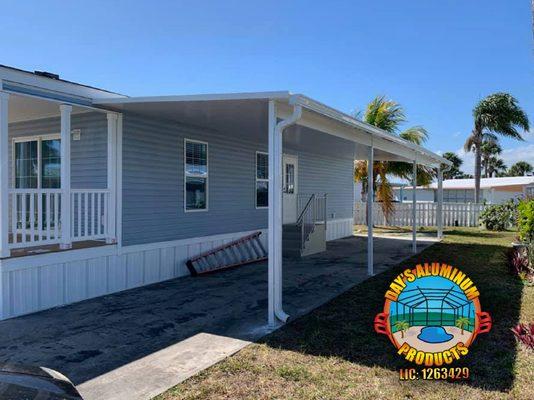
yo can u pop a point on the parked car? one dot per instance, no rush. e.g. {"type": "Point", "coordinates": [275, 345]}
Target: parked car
{"type": "Point", "coordinates": [22, 382]}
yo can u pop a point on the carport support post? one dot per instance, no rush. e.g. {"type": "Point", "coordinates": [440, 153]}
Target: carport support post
{"type": "Point", "coordinates": [440, 203]}
{"type": "Point", "coordinates": [272, 215]}
{"type": "Point", "coordinates": [111, 234]}
{"type": "Point", "coordinates": [65, 111]}
{"type": "Point", "coordinates": [370, 198]}
{"type": "Point", "coordinates": [4, 176]}
{"type": "Point", "coordinates": [414, 211]}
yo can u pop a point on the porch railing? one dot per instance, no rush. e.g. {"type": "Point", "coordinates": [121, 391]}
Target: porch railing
{"type": "Point", "coordinates": [311, 211]}
{"type": "Point", "coordinates": [35, 216]}
{"type": "Point", "coordinates": [89, 214]}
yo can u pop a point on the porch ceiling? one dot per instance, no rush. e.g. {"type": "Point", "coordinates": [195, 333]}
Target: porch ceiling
{"type": "Point", "coordinates": [24, 108]}
{"type": "Point", "coordinates": [234, 117]}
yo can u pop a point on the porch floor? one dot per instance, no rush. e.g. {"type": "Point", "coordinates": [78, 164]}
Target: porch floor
{"type": "Point", "coordinates": [90, 339]}
{"type": "Point", "coordinates": [54, 248]}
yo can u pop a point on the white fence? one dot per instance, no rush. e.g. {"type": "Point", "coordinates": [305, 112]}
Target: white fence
{"type": "Point", "coordinates": [36, 216]}
{"type": "Point", "coordinates": [454, 214]}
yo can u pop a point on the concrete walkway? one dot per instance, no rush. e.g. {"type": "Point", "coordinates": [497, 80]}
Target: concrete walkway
{"type": "Point", "coordinates": [138, 343]}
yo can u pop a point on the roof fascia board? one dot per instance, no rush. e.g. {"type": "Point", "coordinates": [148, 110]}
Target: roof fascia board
{"type": "Point", "coordinates": [198, 97]}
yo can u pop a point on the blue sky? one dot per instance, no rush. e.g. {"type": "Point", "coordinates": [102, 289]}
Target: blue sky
{"type": "Point", "coordinates": [437, 58]}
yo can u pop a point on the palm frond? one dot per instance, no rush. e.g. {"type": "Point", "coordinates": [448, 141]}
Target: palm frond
{"type": "Point", "coordinates": [384, 193]}
{"type": "Point", "coordinates": [470, 142]}
{"type": "Point", "coordinates": [499, 113]}
{"type": "Point", "coordinates": [384, 114]}
{"type": "Point", "coordinates": [415, 134]}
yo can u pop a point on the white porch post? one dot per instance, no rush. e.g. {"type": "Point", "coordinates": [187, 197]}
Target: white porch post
{"type": "Point", "coordinates": [4, 176]}
{"type": "Point", "coordinates": [111, 234]}
{"type": "Point", "coordinates": [414, 211]}
{"type": "Point", "coordinates": [370, 199]}
{"type": "Point", "coordinates": [440, 203]}
{"type": "Point", "coordinates": [66, 242]}
{"type": "Point", "coordinates": [272, 218]}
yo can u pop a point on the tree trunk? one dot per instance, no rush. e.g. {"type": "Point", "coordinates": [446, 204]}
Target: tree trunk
{"type": "Point", "coordinates": [477, 172]}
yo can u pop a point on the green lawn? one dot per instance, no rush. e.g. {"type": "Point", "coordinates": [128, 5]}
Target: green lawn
{"type": "Point", "coordinates": [333, 352]}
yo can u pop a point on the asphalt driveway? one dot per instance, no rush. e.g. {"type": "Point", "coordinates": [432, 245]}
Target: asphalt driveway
{"type": "Point", "coordinates": [89, 340]}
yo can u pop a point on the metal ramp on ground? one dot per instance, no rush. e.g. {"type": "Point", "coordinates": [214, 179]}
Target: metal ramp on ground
{"type": "Point", "coordinates": [245, 250]}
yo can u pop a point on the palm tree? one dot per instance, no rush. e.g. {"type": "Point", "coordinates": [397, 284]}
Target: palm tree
{"type": "Point", "coordinates": [497, 114]}
{"type": "Point", "coordinates": [389, 115]}
{"type": "Point", "coordinates": [489, 149]}
{"type": "Point", "coordinates": [454, 171]}
{"type": "Point", "coordinates": [401, 326]}
{"type": "Point", "coordinates": [496, 166]}
{"type": "Point", "coordinates": [462, 323]}
{"type": "Point", "coordinates": [520, 168]}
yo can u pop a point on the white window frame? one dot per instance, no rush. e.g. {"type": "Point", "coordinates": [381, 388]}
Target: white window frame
{"type": "Point", "coordinates": [35, 138]}
{"type": "Point", "coordinates": [256, 180]}
{"type": "Point", "coordinates": [186, 174]}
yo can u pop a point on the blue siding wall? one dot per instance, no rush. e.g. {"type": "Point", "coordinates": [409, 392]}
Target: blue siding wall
{"type": "Point", "coordinates": [89, 154]}
{"type": "Point", "coordinates": [153, 182]}
{"type": "Point", "coordinates": [334, 176]}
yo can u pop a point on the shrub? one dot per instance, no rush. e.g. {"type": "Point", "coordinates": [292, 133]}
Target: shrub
{"type": "Point", "coordinates": [499, 217]}
{"type": "Point", "coordinates": [517, 261]}
{"type": "Point", "coordinates": [520, 263]}
{"type": "Point", "coordinates": [525, 220]}
{"type": "Point", "coordinates": [525, 334]}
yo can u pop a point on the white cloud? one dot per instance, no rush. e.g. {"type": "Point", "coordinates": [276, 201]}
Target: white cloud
{"type": "Point", "coordinates": [510, 157]}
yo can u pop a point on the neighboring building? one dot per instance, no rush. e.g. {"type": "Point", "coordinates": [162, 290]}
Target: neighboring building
{"type": "Point", "coordinates": [493, 190]}
{"type": "Point", "coordinates": [100, 192]}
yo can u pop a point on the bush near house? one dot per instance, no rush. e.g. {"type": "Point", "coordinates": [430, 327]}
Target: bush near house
{"type": "Point", "coordinates": [499, 217]}
{"type": "Point", "coordinates": [520, 263]}
{"type": "Point", "coordinates": [525, 220]}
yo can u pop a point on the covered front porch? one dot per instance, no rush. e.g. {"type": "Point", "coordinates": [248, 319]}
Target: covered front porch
{"type": "Point", "coordinates": [58, 175]}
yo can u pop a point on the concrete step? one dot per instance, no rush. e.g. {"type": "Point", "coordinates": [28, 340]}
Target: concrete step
{"type": "Point", "coordinates": [291, 253]}
{"type": "Point", "coordinates": [291, 235]}
{"type": "Point", "coordinates": [290, 228]}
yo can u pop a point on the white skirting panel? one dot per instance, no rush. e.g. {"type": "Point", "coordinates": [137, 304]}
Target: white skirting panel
{"type": "Point", "coordinates": [339, 228]}
{"type": "Point", "coordinates": [39, 282]}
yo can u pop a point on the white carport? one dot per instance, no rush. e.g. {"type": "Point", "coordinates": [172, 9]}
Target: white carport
{"type": "Point", "coordinates": [245, 112]}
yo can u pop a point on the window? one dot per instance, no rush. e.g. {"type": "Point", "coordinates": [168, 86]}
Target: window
{"type": "Point", "coordinates": [196, 175]}
{"type": "Point", "coordinates": [289, 186]}
{"type": "Point", "coordinates": [262, 180]}
{"type": "Point", "coordinates": [458, 195]}
{"type": "Point", "coordinates": [37, 163]}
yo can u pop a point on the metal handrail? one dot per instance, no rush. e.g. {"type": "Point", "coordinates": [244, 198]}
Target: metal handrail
{"type": "Point", "coordinates": [299, 219]}
{"type": "Point", "coordinates": [312, 213]}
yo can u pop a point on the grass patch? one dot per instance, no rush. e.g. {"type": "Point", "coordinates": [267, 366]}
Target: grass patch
{"type": "Point", "coordinates": [333, 352]}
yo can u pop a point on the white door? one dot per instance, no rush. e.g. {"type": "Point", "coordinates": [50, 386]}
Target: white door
{"type": "Point", "coordinates": [289, 190]}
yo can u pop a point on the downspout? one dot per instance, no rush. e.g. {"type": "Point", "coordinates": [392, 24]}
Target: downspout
{"type": "Point", "coordinates": [279, 130]}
